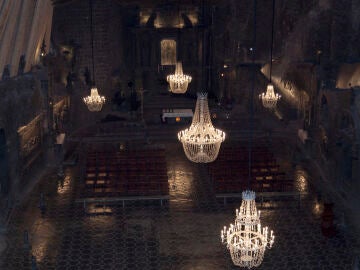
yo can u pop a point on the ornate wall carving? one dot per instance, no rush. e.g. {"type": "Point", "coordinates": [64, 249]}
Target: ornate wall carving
{"type": "Point", "coordinates": [168, 52]}
{"type": "Point", "coordinates": [30, 139]}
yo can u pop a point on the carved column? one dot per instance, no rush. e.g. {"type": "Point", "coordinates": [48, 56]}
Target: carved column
{"type": "Point", "coordinates": [4, 177]}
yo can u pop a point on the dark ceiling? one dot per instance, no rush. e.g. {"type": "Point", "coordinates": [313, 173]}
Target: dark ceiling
{"type": "Point", "coordinates": [144, 2]}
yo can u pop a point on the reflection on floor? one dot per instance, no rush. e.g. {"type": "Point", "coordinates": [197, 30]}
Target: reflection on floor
{"type": "Point", "coordinates": [183, 234]}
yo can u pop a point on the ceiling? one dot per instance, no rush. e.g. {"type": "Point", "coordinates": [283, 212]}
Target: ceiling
{"type": "Point", "coordinates": [145, 2]}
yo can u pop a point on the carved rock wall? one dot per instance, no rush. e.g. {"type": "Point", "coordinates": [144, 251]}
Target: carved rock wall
{"type": "Point", "coordinates": [23, 27]}
{"type": "Point", "coordinates": [21, 102]}
{"type": "Point", "coordinates": [71, 25]}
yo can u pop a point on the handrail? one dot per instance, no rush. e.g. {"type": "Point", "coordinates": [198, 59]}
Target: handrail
{"type": "Point", "coordinates": [262, 195]}
{"type": "Point", "coordinates": [103, 200]}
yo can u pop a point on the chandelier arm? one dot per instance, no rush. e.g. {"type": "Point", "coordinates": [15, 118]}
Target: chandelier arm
{"type": "Point", "coordinates": [92, 39]}
{"type": "Point", "coordinates": [272, 37]}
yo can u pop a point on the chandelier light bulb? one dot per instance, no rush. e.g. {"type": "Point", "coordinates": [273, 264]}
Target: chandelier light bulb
{"type": "Point", "coordinates": [269, 99]}
{"type": "Point", "coordinates": [246, 239]}
{"type": "Point", "coordinates": [94, 102]}
{"type": "Point", "coordinates": [178, 81]}
{"type": "Point", "coordinates": [201, 141]}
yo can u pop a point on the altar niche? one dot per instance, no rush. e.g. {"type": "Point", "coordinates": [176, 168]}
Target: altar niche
{"type": "Point", "coordinates": [168, 52]}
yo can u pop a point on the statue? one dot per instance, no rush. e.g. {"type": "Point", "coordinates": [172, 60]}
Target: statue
{"type": "Point", "coordinates": [6, 73]}
{"type": "Point", "coordinates": [323, 101]}
{"type": "Point", "coordinates": [22, 63]}
{"type": "Point", "coordinates": [87, 76]}
{"type": "Point", "coordinates": [134, 103]}
{"type": "Point", "coordinates": [69, 80]}
{"type": "Point", "coordinates": [119, 98]}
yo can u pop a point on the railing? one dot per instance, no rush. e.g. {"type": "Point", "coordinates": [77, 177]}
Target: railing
{"type": "Point", "coordinates": [261, 195]}
{"type": "Point", "coordinates": [86, 201]}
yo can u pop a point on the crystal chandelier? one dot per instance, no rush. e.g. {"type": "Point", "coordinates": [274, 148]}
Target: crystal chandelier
{"type": "Point", "coordinates": [201, 141]}
{"type": "Point", "coordinates": [178, 82]}
{"type": "Point", "coordinates": [246, 239]}
{"type": "Point", "coordinates": [94, 102]}
{"type": "Point", "coordinates": [269, 99]}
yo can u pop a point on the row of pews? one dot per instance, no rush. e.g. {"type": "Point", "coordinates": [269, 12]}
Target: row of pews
{"type": "Point", "coordinates": [230, 172]}
{"type": "Point", "coordinates": [125, 173]}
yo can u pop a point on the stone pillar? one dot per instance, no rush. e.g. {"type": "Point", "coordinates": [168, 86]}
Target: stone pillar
{"type": "Point", "coordinates": [138, 79]}
{"type": "Point", "coordinates": [340, 29]}
{"type": "Point", "coordinates": [137, 49]}
{"type": "Point", "coordinates": [3, 242]}
{"type": "Point", "coordinates": [355, 109]}
{"type": "Point", "coordinates": [4, 177]}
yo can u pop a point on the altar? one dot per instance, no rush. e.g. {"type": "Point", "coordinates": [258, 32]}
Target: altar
{"type": "Point", "coordinates": [176, 114]}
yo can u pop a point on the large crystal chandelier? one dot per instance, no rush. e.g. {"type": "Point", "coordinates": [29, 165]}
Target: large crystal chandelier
{"type": "Point", "coordinates": [270, 98]}
{"type": "Point", "coordinates": [178, 82]}
{"type": "Point", "coordinates": [94, 102]}
{"type": "Point", "coordinates": [201, 141]}
{"type": "Point", "coordinates": [246, 239]}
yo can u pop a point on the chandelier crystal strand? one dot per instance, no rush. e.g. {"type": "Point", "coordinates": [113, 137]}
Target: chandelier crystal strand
{"type": "Point", "coordinates": [94, 102]}
{"type": "Point", "coordinates": [178, 82]}
{"type": "Point", "coordinates": [270, 98]}
{"type": "Point", "coordinates": [201, 141]}
{"type": "Point", "coordinates": [247, 239]}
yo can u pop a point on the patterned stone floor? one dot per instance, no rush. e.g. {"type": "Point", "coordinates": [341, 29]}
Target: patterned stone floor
{"type": "Point", "coordinates": [183, 234]}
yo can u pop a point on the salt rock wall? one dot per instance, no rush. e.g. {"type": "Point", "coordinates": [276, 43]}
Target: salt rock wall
{"type": "Point", "coordinates": [24, 25]}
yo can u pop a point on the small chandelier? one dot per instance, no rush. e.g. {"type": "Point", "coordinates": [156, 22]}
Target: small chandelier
{"type": "Point", "coordinates": [94, 102]}
{"type": "Point", "coordinates": [201, 141]}
{"type": "Point", "coordinates": [178, 82]}
{"type": "Point", "coordinates": [247, 240]}
{"type": "Point", "coordinates": [269, 99]}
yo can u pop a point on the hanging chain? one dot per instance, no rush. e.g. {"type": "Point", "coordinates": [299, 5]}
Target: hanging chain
{"type": "Point", "coordinates": [92, 39]}
{"type": "Point", "coordinates": [272, 37]}
{"type": "Point", "coordinates": [251, 119]}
